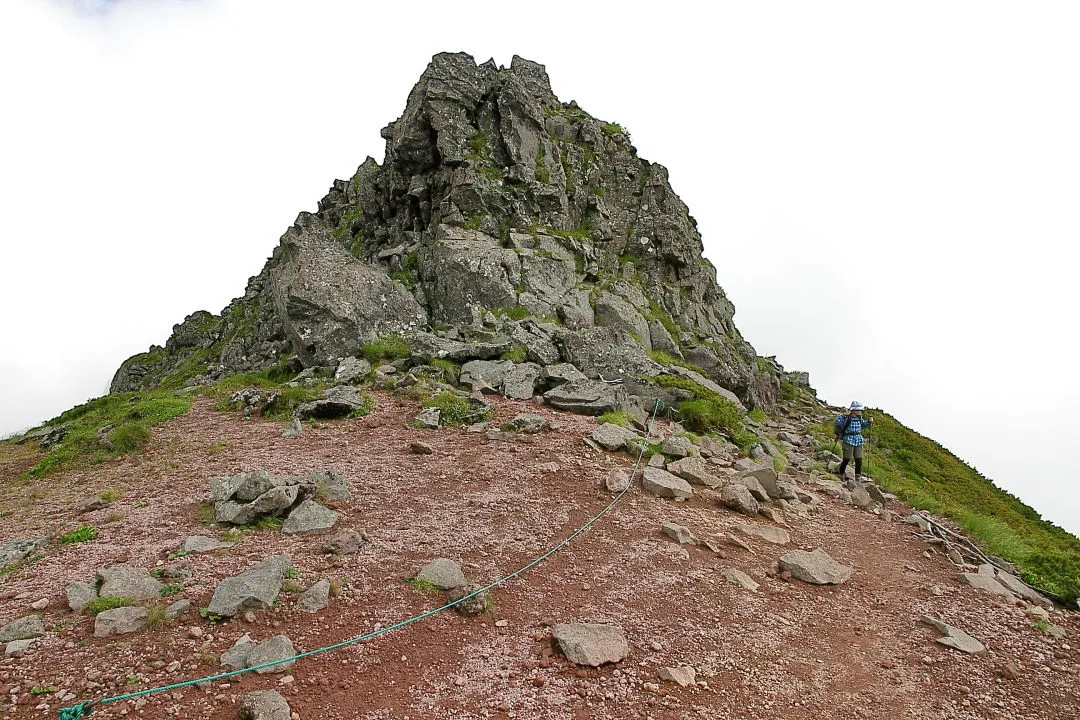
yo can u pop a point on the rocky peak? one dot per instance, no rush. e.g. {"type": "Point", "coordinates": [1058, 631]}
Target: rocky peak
{"type": "Point", "coordinates": [495, 199]}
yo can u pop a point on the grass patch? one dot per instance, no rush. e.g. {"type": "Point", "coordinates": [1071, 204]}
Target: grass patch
{"type": "Point", "coordinates": [454, 408]}
{"type": "Point", "coordinates": [518, 354]}
{"type": "Point", "coordinates": [517, 312]}
{"type": "Point", "coordinates": [84, 533]}
{"type": "Point", "coordinates": [216, 448]}
{"type": "Point", "coordinates": [130, 414]}
{"type": "Point", "coordinates": [204, 513]}
{"type": "Point", "coordinates": [170, 589]}
{"type": "Point", "coordinates": [114, 517]}
{"type": "Point", "coordinates": [758, 415]}
{"type": "Point", "coordinates": [423, 586]}
{"type": "Point", "coordinates": [367, 406]}
{"type": "Point", "coordinates": [385, 347]}
{"type": "Point", "coordinates": [663, 358]}
{"type": "Point", "coordinates": [617, 417]}
{"type": "Point", "coordinates": [646, 449]}
{"type": "Point", "coordinates": [110, 495]}
{"type": "Point", "coordinates": [929, 477]}
{"type": "Point", "coordinates": [101, 604]}
{"type": "Point", "coordinates": [450, 370]}
{"type": "Point", "coordinates": [158, 616]}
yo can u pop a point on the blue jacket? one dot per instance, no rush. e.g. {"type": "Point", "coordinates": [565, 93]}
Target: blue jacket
{"type": "Point", "coordinates": [853, 434]}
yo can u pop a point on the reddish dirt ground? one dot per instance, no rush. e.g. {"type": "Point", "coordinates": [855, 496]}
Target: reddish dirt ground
{"type": "Point", "coordinates": [788, 650]}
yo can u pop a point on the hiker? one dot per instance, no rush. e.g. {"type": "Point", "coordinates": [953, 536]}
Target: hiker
{"type": "Point", "coordinates": [849, 427]}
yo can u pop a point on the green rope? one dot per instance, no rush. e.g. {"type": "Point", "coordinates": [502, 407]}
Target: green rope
{"type": "Point", "coordinates": [76, 712]}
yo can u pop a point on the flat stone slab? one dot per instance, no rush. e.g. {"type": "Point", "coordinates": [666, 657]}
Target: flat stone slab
{"type": "Point", "coordinates": [128, 581]}
{"type": "Point", "coordinates": [1018, 587]}
{"type": "Point", "coordinates": [27, 627]}
{"type": "Point", "coordinates": [120, 621]}
{"type": "Point", "coordinates": [679, 533]}
{"type": "Point", "coordinates": [986, 583]}
{"type": "Point", "coordinates": [443, 573]}
{"type": "Point", "coordinates": [768, 533]}
{"type": "Point", "coordinates": [694, 470]}
{"type": "Point", "coordinates": [203, 544]}
{"type": "Point", "coordinates": [15, 551]}
{"type": "Point", "coordinates": [18, 646]}
{"type": "Point", "coordinates": [684, 676]}
{"type": "Point", "coordinates": [662, 483]}
{"type": "Point", "coordinates": [740, 579]}
{"type": "Point", "coordinates": [954, 637]}
{"type": "Point", "coordinates": [257, 588]}
{"type": "Point", "coordinates": [612, 437]}
{"type": "Point", "coordinates": [817, 567]}
{"type": "Point", "coordinates": [309, 517]}
{"type": "Point", "coordinates": [591, 644]}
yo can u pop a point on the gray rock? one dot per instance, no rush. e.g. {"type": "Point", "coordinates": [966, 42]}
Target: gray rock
{"type": "Point", "coordinates": [586, 397]}
{"type": "Point", "coordinates": [613, 311]}
{"type": "Point", "coordinates": [236, 657]}
{"type": "Point", "coordinates": [763, 477]}
{"type": "Point", "coordinates": [309, 517]}
{"type": "Point", "coordinates": [740, 579]}
{"type": "Point", "coordinates": [657, 461]}
{"type": "Point", "coordinates": [330, 485]}
{"type": "Point", "coordinates": [468, 603]}
{"type": "Point", "coordinates": [986, 583]}
{"type": "Point", "coordinates": [860, 498]}
{"type": "Point", "coordinates": [738, 498]}
{"type": "Point", "coordinates": [662, 483]}
{"type": "Point", "coordinates": [560, 374]}
{"type": "Point", "coordinates": [918, 520]}
{"type": "Point", "coordinates": [315, 598]}
{"type": "Point", "coordinates": [1021, 589]}
{"type": "Point", "coordinates": [768, 533]}
{"type": "Point", "coordinates": [257, 588]}
{"type": "Point", "coordinates": [618, 480]}
{"type": "Point", "coordinates": [203, 544]}
{"type": "Point", "coordinates": [127, 581]}
{"type": "Point", "coordinates": [677, 447]}
{"type": "Point", "coordinates": [120, 621]}
{"type": "Point", "coordinates": [746, 464]}
{"type": "Point", "coordinates": [529, 423]}
{"type": "Point", "coordinates": [337, 402]}
{"type": "Point", "coordinates": [264, 705]}
{"type": "Point", "coordinates": [272, 650]}
{"type": "Point", "coordinates": [80, 594]}
{"type": "Point", "coordinates": [876, 493]}
{"type": "Point", "coordinates": [695, 471]}
{"type": "Point", "coordinates": [428, 418]}
{"type": "Point", "coordinates": [351, 370]}
{"type": "Point", "coordinates": [613, 437]}
{"type": "Point", "coordinates": [344, 542]}
{"type": "Point", "coordinates": [443, 573]}
{"type": "Point", "coordinates": [27, 627]}
{"type": "Point", "coordinates": [293, 429]}
{"type": "Point", "coordinates": [521, 381]}
{"type": "Point", "coordinates": [591, 644]}
{"type": "Point", "coordinates": [13, 552]}
{"type": "Point", "coordinates": [705, 382]}
{"type": "Point", "coordinates": [605, 352]}
{"type": "Point", "coordinates": [678, 533]}
{"type": "Point", "coordinates": [684, 676]}
{"type": "Point", "coordinates": [490, 372]}
{"type": "Point", "coordinates": [817, 567]}
{"type": "Point", "coordinates": [272, 502]}
{"type": "Point", "coordinates": [18, 646]}
{"type": "Point", "coordinates": [954, 637]}
{"type": "Point", "coordinates": [751, 483]}
{"type": "Point", "coordinates": [787, 490]}
{"type": "Point", "coordinates": [177, 609]}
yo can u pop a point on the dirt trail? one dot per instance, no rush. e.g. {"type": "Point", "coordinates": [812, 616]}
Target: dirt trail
{"type": "Point", "coordinates": [788, 650]}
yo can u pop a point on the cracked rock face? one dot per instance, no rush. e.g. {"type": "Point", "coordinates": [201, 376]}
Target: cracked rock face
{"type": "Point", "coordinates": [494, 195]}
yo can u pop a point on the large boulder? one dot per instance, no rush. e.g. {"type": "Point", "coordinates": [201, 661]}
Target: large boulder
{"type": "Point", "coordinates": [520, 383]}
{"type": "Point", "coordinates": [607, 353]}
{"type": "Point", "coordinates": [491, 373]}
{"type": "Point", "coordinates": [327, 301]}
{"type": "Point", "coordinates": [591, 644]}
{"type": "Point", "coordinates": [351, 370]}
{"type": "Point", "coordinates": [662, 483]}
{"type": "Point", "coordinates": [337, 402]}
{"type": "Point", "coordinates": [257, 588]}
{"type": "Point", "coordinates": [817, 567]}
{"type": "Point", "coordinates": [586, 397]}
{"type": "Point", "coordinates": [272, 502]}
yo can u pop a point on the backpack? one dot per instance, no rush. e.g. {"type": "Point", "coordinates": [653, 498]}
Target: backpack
{"type": "Point", "coordinates": [840, 426]}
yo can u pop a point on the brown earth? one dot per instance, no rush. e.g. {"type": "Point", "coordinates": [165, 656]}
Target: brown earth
{"type": "Point", "coordinates": [789, 650]}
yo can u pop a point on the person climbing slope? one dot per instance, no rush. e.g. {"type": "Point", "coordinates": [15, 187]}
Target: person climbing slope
{"type": "Point", "coordinates": [849, 426]}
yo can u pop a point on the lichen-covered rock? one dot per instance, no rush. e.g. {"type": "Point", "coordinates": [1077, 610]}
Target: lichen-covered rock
{"type": "Point", "coordinates": [738, 498]}
{"type": "Point", "coordinates": [265, 705]}
{"type": "Point", "coordinates": [27, 627]}
{"type": "Point", "coordinates": [587, 397]}
{"type": "Point", "coordinates": [127, 581]}
{"type": "Point", "coordinates": [309, 517]}
{"type": "Point", "coordinates": [257, 588]}
{"type": "Point", "coordinates": [120, 621]}
{"type": "Point", "coordinates": [443, 573]}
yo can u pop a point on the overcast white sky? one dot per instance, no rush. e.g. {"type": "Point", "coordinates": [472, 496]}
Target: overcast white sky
{"type": "Point", "coordinates": [891, 194]}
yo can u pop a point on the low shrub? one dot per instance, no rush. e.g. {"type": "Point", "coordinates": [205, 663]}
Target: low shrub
{"type": "Point", "coordinates": [385, 347]}
{"type": "Point", "coordinates": [84, 533]}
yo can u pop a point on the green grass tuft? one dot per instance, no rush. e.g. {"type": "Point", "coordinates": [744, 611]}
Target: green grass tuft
{"type": "Point", "coordinates": [385, 347]}
{"type": "Point", "coordinates": [84, 533]}
{"type": "Point", "coordinates": [101, 604]}
{"type": "Point", "coordinates": [617, 417]}
{"type": "Point", "coordinates": [422, 585]}
{"type": "Point", "coordinates": [518, 354]}
{"type": "Point", "coordinates": [517, 312]}
{"type": "Point", "coordinates": [110, 495]}
{"type": "Point", "coordinates": [758, 415]}
{"type": "Point", "coordinates": [454, 408]}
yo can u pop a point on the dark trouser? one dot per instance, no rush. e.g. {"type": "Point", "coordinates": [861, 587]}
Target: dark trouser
{"type": "Point", "coordinates": [850, 452]}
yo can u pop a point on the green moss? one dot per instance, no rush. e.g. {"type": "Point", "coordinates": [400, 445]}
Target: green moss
{"type": "Point", "coordinates": [491, 172]}
{"type": "Point", "coordinates": [385, 347]}
{"type": "Point", "coordinates": [618, 417]}
{"type": "Point", "coordinates": [662, 358]}
{"type": "Point", "coordinates": [450, 370]}
{"type": "Point", "coordinates": [109, 496]}
{"type": "Point", "coordinates": [478, 151]}
{"type": "Point", "coordinates": [788, 391]}
{"type": "Point", "coordinates": [758, 415]}
{"type": "Point", "coordinates": [131, 414]}
{"type": "Point", "coordinates": [518, 354]}
{"type": "Point", "coordinates": [518, 312]}
{"type": "Point", "coordinates": [454, 408]}
{"type": "Point", "coordinates": [611, 129]}
{"type": "Point", "coordinates": [474, 222]}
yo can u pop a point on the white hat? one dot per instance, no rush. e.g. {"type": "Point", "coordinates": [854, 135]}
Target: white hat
{"type": "Point", "coordinates": [856, 405]}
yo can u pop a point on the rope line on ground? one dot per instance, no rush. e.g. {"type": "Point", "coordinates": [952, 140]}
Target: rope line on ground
{"type": "Point", "coordinates": [75, 712]}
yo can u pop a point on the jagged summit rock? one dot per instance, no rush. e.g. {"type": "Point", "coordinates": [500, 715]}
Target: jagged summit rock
{"type": "Point", "coordinates": [500, 217]}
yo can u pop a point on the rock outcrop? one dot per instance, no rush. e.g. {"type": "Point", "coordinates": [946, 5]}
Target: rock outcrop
{"type": "Point", "coordinates": [500, 218]}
